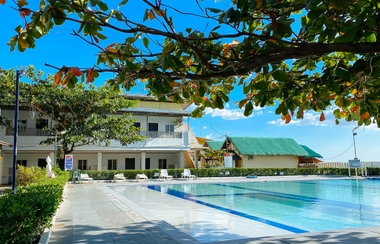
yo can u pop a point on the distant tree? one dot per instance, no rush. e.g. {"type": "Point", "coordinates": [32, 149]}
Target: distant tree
{"type": "Point", "coordinates": [213, 158]}
{"type": "Point", "coordinates": [87, 114]}
{"type": "Point", "coordinates": [298, 55]}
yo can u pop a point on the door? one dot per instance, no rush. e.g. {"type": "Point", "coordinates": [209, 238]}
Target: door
{"type": "Point", "coordinates": [147, 163]}
{"type": "Point", "coordinates": [129, 163]}
{"type": "Point", "coordinates": [153, 130]}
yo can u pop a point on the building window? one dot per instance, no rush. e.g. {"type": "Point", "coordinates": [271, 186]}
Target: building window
{"type": "Point", "coordinates": [82, 164]}
{"type": "Point", "coordinates": [250, 157]}
{"type": "Point", "coordinates": [147, 163]}
{"type": "Point", "coordinates": [137, 124]}
{"type": "Point", "coordinates": [41, 123]}
{"type": "Point", "coordinates": [129, 163]}
{"type": "Point", "coordinates": [169, 128]}
{"type": "Point", "coordinates": [112, 164]}
{"type": "Point", "coordinates": [153, 130]}
{"type": "Point", "coordinates": [22, 124]}
{"type": "Point", "coordinates": [41, 162]}
{"type": "Point", "coordinates": [162, 164]}
{"type": "Point", "coordinates": [21, 162]}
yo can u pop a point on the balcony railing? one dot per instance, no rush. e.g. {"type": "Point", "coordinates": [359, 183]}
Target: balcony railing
{"type": "Point", "coordinates": [161, 134]}
{"type": "Point", "coordinates": [41, 132]}
{"type": "Point", "coordinates": [28, 132]}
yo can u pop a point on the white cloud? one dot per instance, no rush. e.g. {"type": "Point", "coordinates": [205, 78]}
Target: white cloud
{"type": "Point", "coordinates": [309, 118]}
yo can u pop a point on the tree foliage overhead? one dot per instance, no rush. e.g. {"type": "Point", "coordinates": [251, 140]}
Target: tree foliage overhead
{"type": "Point", "coordinates": [86, 114]}
{"type": "Point", "coordinates": [298, 55]}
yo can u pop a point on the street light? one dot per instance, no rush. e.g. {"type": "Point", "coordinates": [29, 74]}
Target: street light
{"type": "Point", "coordinates": [353, 137]}
{"type": "Point", "coordinates": [19, 73]}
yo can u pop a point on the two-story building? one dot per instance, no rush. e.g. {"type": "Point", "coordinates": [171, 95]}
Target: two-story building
{"type": "Point", "coordinates": [164, 124]}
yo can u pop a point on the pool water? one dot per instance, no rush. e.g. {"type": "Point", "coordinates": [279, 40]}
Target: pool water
{"type": "Point", "coordinates": [295, 206]}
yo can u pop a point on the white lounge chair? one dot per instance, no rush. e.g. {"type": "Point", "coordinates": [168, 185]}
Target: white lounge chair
{"type": "Point", "coordinates": [85, 177]}
{"type": "Point", "coordinates": [187, 174]}
{"type": "Point", "coordinates": [156, 175]}
{"type": "Point", "coordinates": [141, 177]}
{"type": "Point", "coordinates": [119, 176]}
{"type": "Point", "coordinates": [164, 175]}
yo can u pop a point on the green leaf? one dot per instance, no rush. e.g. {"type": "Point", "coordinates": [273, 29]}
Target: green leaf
{"type": "Point", "coordinates": [280, 76]}
{"type": "Point", "coordinates": [214, 10]}
{"type": "Point", "coordinates": [343, 74]}
{"type": "Point", "coordinates": [370, 38]}
{"type": "Point", "coordinates": [102, 6]}
{"type": "Point", "coordinates": [94, 2]}
{"type": "Point", "coordinates": [349, 36]}
{"type": "Point", "coordinates": [248, 109]}
{"type": "Point", "coordinates": [146, 42]}
{"type": "Point", "coordinates": [123, 2]}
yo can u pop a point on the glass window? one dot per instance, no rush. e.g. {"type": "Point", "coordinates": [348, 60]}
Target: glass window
{"type": "Point", "coordinates": [23, 162]}
{"type": "Point", "coordinates": [169, 128]}
{"type": "Point", "coordinates": [112, 164]}
{"type": "Point", "coordinates": [162, 164]}
{"type": "Point", "coordinates": [82, 164]}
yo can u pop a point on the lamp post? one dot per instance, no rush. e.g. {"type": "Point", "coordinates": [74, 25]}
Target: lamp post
{"type": "Point", "coordinates": [15, 132]}
{"type": "Point", "coordinates": [353, 137]}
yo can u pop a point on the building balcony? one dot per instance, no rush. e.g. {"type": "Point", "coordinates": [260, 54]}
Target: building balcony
{"type": "Point", "coordinates": [42, 132]}
{"type": "Point", "coordinates": [161, 134]}
{"type": "Point", "coordinates": [28, 132]}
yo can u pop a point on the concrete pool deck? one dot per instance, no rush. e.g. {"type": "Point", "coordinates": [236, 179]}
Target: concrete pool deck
{"type": "Point", "coordinates": [93, 213]}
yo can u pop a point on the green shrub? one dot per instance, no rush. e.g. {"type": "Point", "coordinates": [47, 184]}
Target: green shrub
{"type": "Point", "coordinates": [25, 215]}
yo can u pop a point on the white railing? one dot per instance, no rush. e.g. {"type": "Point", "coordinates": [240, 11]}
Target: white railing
{"type": "Point", "coordinates": [345, 164]}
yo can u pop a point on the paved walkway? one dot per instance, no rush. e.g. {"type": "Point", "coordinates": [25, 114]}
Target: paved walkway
{"type": "Point", "coordinates": [90, 214]}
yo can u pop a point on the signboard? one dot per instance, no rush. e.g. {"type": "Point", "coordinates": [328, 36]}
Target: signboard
{"type": "Point", "coordinates": [354, 163]}
{"type": "Point", "coordinates": [68, 162]}
{"type": "Point", "coordinates": [228, 161]}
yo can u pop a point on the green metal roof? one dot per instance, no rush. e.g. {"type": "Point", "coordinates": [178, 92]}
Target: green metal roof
{"type": "Point", "coordinates": [312, 154]}
{"type": "Point", "coordinates": [267, 146]}
{"type": "Point", "coordinates": [215, 145]}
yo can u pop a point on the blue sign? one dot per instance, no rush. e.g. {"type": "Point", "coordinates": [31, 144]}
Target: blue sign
{"type": "Point", "coordinates": [68, 162]}
{"type": "Point", "coordinates": [355, 163]}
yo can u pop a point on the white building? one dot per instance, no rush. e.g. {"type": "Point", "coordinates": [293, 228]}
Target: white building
{"type": "Point", "coordinates": [165, 125]}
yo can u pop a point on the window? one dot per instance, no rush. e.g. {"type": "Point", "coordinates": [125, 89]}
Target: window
{"type": "Point", "coordinates": [22, 123]}
{"type": "Point", "coordinates": [169, 128]}
{"type": "Point", "coordinates": [147, 163]}
{"type": "Point", "coordinates": [153, 126]}
{"type": "Point", "coordinates": [250, 157]}
{"type": "Point", "coordinates": [162, 164]}
{"type": "Point", "coordinates": [153, 129]}
{"type": "Point", "coordinates": [138, 126]}
{"type": "Point", "coordinates": [41, 162]}
{"type": "Point", "coordinates": [112, 164]}
{"type": "Point", "coordinates": [41, 123]}
{"type": "Point", "coordinates": [22, 162]}
{"type": "Point", "coordinates": [82, 164]}
{"type": "Point", "coordinates": [129, 163]}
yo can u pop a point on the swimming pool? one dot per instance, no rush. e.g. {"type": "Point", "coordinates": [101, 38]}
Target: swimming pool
{"type": "Point", "coordinates": [292, 206]}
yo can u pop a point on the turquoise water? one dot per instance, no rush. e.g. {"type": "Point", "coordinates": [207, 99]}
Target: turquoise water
{"type": "Point", "coordinates": [297, 206]}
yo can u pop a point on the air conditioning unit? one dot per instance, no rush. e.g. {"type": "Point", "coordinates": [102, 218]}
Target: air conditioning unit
{"type": "Point", "coordinates": [179, 121]}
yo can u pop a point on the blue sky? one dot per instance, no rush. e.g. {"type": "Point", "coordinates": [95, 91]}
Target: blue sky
{"type": "Point", "coordinates": [333, 142]}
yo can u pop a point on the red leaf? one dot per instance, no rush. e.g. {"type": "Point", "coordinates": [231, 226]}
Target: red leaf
{"type": "Point", "coordinates": [75, 71]}
{"type": "Point", "coordinates": [90, 76]}
{"type": "Point", "coordinates": [322, 117]}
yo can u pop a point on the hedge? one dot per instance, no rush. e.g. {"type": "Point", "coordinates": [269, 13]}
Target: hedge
{"type": "Point", "coordinates": [25, 215]}
{"type": "Point", "coordinates": [217, 172]}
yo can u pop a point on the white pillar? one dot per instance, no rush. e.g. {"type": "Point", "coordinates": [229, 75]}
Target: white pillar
{"type": "Point", "coordinates": [181, 159]}
{"type": "Point", "coordinates": [100, 161]}
{"type": "Point", "coordinates": [143, 157]}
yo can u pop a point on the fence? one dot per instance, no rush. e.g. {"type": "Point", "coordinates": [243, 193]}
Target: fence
{"type": "Point", "coordinates": [345, 164]}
